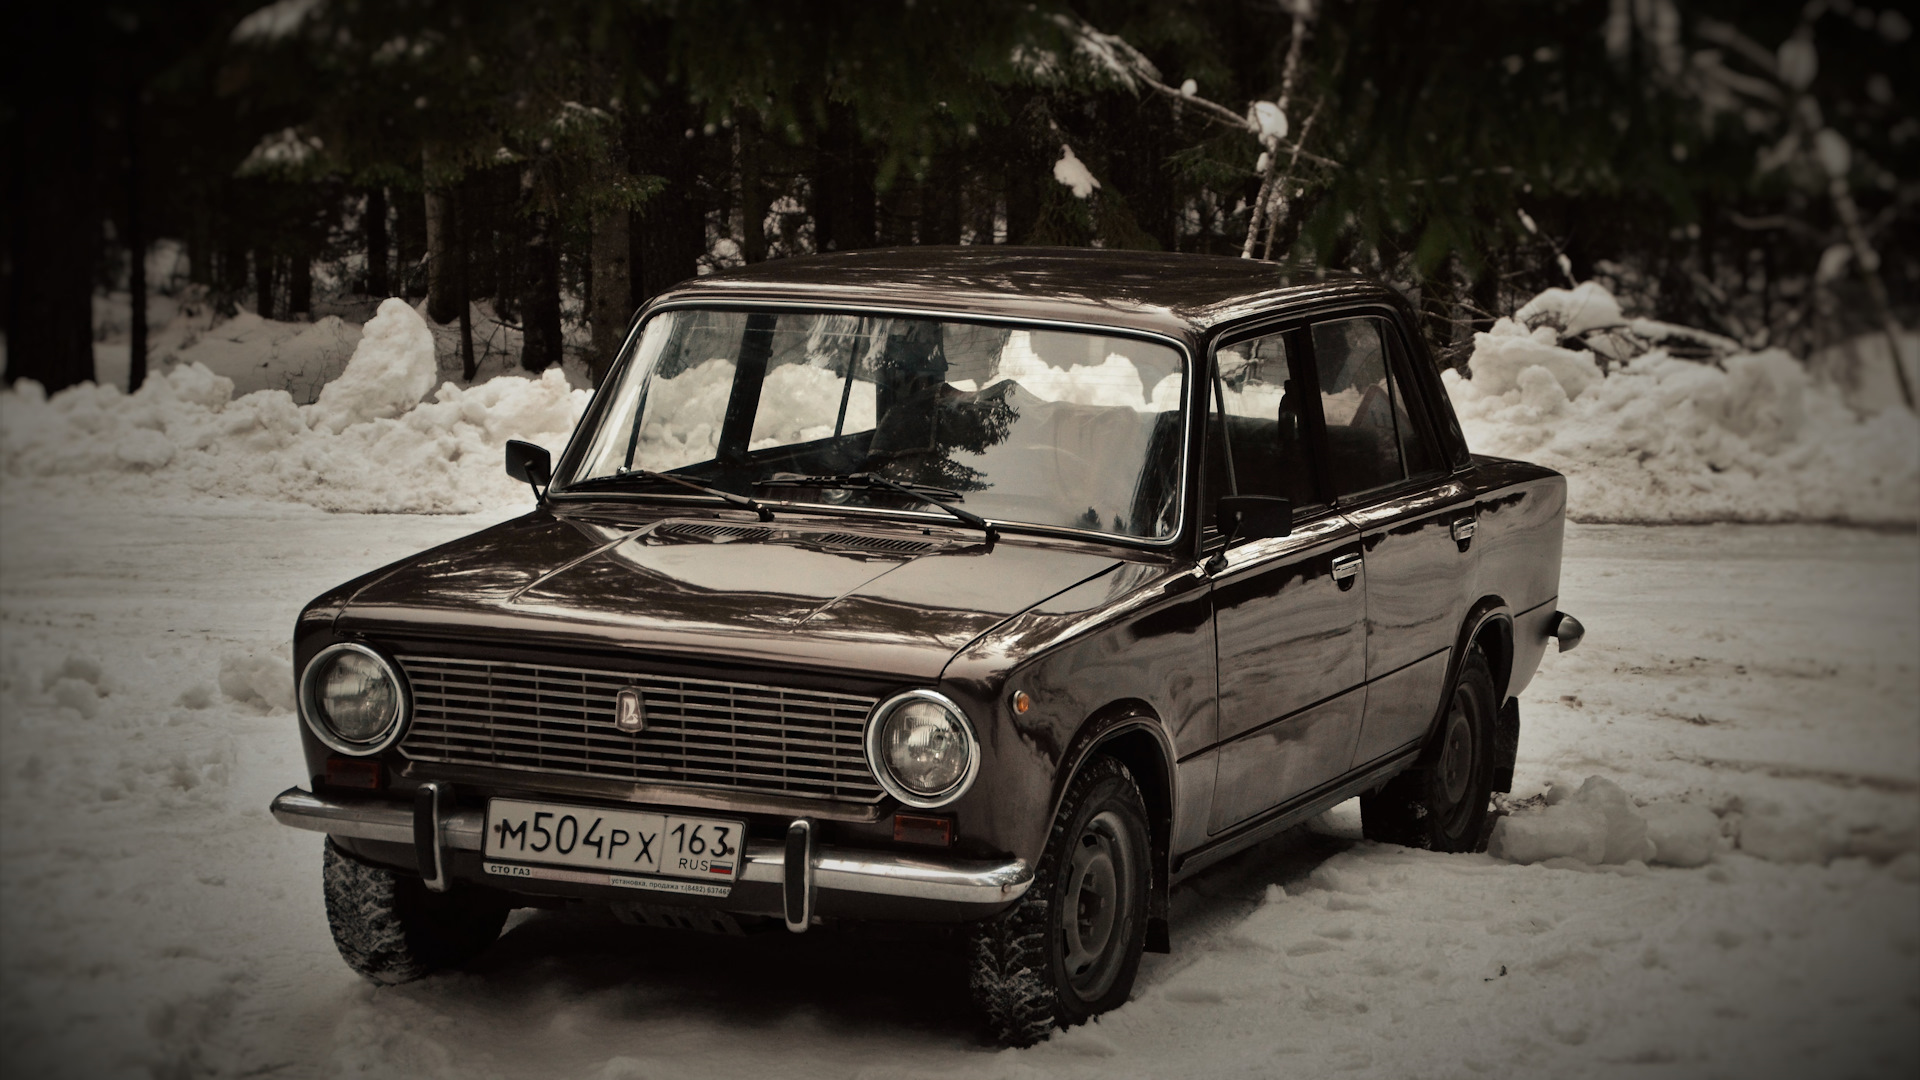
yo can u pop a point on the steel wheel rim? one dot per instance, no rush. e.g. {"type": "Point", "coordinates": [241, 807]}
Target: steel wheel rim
{"type": "Point", "coordinates": [1456, 756]}
{"type": "Point", "coordinates": [1095, 904]}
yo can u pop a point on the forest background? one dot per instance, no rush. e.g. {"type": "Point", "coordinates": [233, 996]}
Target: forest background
{"type": "Point", "coordinates": [1745, 169]}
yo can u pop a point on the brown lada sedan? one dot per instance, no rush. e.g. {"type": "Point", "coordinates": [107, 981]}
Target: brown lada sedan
{"type": "Point", "coordinates": [994, 588]}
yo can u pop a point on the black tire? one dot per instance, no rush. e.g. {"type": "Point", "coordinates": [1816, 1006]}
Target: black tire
{"type": "Point", "coordinates": [391, 928]}
{"type": "Point", "coordinates": [1442, 803]}
{"type": "Point", "coordinates": [1070, 949]}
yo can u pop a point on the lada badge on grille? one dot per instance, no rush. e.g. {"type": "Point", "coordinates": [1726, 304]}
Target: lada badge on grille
{"type": "Point", "coordinates": [630, 711]}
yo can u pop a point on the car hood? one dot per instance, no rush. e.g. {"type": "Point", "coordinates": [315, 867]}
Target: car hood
{"type": "Point", "coordinates": [881, 601]}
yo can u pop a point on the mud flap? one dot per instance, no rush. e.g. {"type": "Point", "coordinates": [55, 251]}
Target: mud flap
{"type": "Point", "coordinates": [1506, 745]}
{"type": "Point", "coordinates": [1159, 937]}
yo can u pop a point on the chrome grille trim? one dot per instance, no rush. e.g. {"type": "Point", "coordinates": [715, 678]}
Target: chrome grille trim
{"type": "Point", "coordinates": [559, 720]}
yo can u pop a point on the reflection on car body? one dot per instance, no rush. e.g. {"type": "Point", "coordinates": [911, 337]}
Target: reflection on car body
{"type": "Point", "coordinates": [991, 589]}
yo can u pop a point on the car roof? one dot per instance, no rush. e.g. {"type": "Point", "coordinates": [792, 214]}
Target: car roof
{"type": "Point", "coordinates": [1183, 295]}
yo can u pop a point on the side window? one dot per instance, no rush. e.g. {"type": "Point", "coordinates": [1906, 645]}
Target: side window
{"type": "Point", "coordinates": [1417, 447]}
{"type": "Point", "coordinates": [1265, 425]}
{"type": "Point", "coordinates": [1363, 451]}
{"type": "Point", "coordinates": [1372, 439]}
{"type": "Point", "coordinates": [1256, 428]}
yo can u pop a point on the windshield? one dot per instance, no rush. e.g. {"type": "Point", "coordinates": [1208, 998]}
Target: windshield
{"type": "Point", "coordinates": [1017, 425]}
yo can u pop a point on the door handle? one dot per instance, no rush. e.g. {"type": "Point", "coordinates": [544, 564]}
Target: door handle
{"type": "Point", "coordinates": [1345, 566]}
{"type": "Point", "coordinates": [1463, 529]}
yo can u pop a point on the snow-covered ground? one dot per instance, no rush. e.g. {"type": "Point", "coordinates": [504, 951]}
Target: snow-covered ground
{"type": "Point", "coordinates": [154, 921]}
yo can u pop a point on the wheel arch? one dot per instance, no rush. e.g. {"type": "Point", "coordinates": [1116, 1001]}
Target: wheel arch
{"type": "Point", "coordinates": [1489, 626]}
{"type": "Point", "coordinates": [1130, 731]}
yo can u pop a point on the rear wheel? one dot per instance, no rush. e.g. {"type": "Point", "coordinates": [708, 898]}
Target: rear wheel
{"type": "Point", "coordinates": [391, 928]}
{"type": "Point", "coordinates": [1442, 803]}
{"type": "Point", "coordinates": [1070, 949]}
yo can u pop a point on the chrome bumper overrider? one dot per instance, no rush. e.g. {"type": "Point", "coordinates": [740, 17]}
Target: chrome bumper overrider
{"type": "Point", "coordinates": [834, 869]}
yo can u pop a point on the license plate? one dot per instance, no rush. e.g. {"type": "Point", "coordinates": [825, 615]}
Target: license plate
{"type": "Point", "coordinates": [629, 848]}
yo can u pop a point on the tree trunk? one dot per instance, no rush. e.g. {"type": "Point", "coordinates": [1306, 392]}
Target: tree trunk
{"type": "Point", "coordinates": [136, 249]}
{"type": "Point", "coordinates": [233, 257]}
{"type": "Point", "coordinates": [612, 288]}
{"type": "Point", "coordinates": [54, 232]}
{"type": "Point", "coordinates": [463, 223]}
{"type": "Point", "coordinates": [540, 307]}
{"type": "Point", "coordinates": [375, 221]}
{"type": "Point", "coordinates": [442, 276]}
{"type": "Point", "coordinates": [843, 202]}
{"type": "Point", "coordinates": [669, 235]}
{"type": "Point", "coordinates": [300, 275]}
{"type": "Point", "coordinates": [200, 240]}
{"type": "Point", "coordinates": [410, 236]}
{"type": "Point", "coordinates": [748, 144]}
{"type": "Point", "coordinates": [1866, 262]}
{"type": "Point", "coordinates": [940, 208]}
{"type": "Point", "coordinates": [263, 282]}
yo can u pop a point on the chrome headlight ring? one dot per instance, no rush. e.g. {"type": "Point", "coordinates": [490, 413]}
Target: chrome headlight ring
{"type": "Point", "coordinates": [877, 758]}
{"type": "Point", "coordinates": [314, 715]}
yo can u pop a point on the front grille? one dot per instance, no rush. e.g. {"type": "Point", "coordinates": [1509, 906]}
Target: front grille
{"type": "Point", "coordinates": [738, 736]}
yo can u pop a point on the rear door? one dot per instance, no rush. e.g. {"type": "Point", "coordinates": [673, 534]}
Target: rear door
{"type": "Point", "coordinates": [1288, 613]}
{"type": "Point", "coordinates": [1415, 522]}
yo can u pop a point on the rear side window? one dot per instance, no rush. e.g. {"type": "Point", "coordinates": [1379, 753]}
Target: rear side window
{"type": "Point", "coordinates": [1373, 441]}
{"type": "Point", "coordinates": [1418, 448]}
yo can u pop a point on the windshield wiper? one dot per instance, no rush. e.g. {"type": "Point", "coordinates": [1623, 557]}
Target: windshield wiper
{"type": "Point", "coordinates": [724, 496]}
{"type": "Point", "coordinates": [923, 493]}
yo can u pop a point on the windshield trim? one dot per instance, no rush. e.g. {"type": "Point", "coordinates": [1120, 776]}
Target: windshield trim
{"type": "Point", "coordinates": [602, 400]}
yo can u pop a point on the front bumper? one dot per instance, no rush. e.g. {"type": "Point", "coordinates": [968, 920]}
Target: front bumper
{"type": "Point", "coordinates": [805, 873]}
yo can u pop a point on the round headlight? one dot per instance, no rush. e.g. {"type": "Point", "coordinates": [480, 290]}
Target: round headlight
{"type": "Point", "coordinates": [922, 749]}
{"type": "Point", "coordinates": [352, 699]}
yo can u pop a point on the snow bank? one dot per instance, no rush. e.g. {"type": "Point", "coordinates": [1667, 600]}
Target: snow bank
{"type": "Point", "coordinates": [368, 444]}
{"type": "Point", "coordinates": [1598, 824]}
{"type": "Point", "coordinates": [1114, 381]}
{"type": "Point", "coordinates": [265, 354]}
{"type": "Point", "coordinates": [1658, 438]}
{"type": "Point", "coordinates": [391, 370]}
{"type": "Point", "coordinates": [264, 679]}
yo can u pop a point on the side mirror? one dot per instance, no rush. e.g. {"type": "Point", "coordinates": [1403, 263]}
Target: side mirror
{"type": "Point", "coordinates": [1256, 517]}
{"type": "Point", "coordinates": [529, 464]}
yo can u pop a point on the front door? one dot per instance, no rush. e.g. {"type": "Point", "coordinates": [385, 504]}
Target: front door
{"type": "Point", "coordinates": [1289, 612]}
{"type": "Point", "coordinates": [1415, 525]}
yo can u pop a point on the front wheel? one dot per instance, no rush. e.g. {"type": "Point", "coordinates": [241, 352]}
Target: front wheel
{"type": "Point", "coordinates": [1442, 803]}
{"type": "Point", "coordinates": [390, 928]}
{"type": "Point", "coordinates": [1070, 949]}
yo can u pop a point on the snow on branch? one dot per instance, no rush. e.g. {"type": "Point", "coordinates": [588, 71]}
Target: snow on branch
{"type": "Point", "coordinates": [1124, 64]}
{"type": "Point", "coordinates": [1073, 172]}
{"type": "Point", "coordinates": [284, 153]}
{"type": "Point", "coordinates": [275, 22]}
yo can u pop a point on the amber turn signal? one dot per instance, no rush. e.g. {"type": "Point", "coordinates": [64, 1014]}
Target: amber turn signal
{"type": "Point", "coordinates": [355, 773]}
{"type": "Point", "coordinates": [1021, 702]}
{"type": "Point", "coordinates": [922, 829]}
